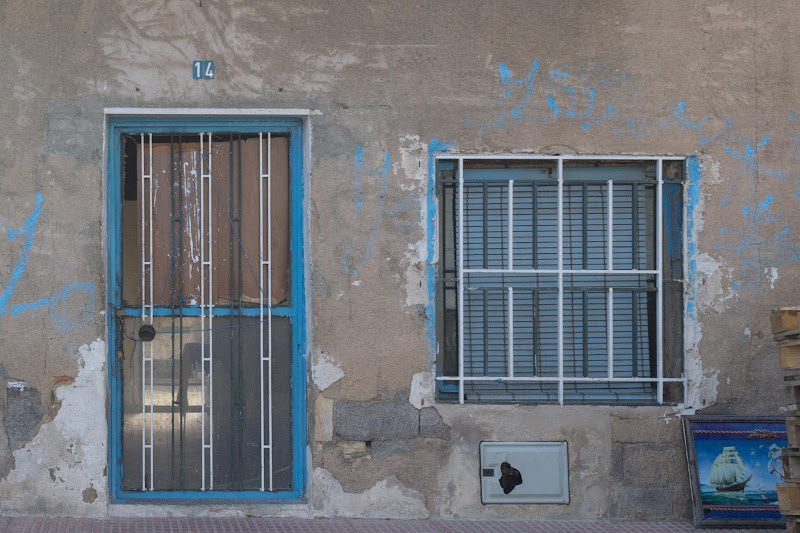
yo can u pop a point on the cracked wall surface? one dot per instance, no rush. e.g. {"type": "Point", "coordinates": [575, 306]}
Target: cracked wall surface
{"type": "Point", "coordinates": [394, 85]}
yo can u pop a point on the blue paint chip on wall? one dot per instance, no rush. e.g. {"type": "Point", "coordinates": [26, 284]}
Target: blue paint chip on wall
{"type": "Point", "coordinates": [202, 70]}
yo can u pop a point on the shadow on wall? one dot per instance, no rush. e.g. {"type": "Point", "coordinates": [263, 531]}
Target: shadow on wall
{"type": "Point", "coordinates": [22, 405]}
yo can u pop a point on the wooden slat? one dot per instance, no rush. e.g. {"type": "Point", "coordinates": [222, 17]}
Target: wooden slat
{"type": "Point", "coordinates": [789, 355]}
{"type": "Point", "coordinates": [188, 177]}
{"type": "Point", "coordinates": [789, 498]}
{"type": "Point", "coordinates": [792, 334]}
{"type": "Point", "coordinates": [784, 319]}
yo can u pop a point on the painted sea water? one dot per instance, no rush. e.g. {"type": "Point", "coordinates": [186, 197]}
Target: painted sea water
{"type": "Point", "coordinates": [758, 495]}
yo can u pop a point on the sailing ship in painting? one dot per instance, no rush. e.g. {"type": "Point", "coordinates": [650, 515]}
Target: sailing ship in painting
{"type": "Point", "coordinates": [728, 473]}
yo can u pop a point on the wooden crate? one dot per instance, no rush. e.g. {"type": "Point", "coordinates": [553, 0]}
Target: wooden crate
{"type": "Point", "coordinates": [793, 431]}
{"type": "Point", "coordinates": [789, 498]}
{"type": "Point", "coordinates": [791, 464]}
{"type": "Point", "coordinates": [791, 376]}
{"type": "Point", "coordinates": [789, 354]}
{"type": "Point", "coordinates": [785, 319]}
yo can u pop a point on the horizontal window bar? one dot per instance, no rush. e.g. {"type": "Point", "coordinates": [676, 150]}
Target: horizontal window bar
{"type": "Point", "coordinates": [568, 287]}
{"type": "Point", "coordinates": [534, 157]}
{"type": "Point", "coordinates": [218, 310]}
{"type": "Point", "coordinates": [551, 181]}
{"type": "Point", "coordinates": [205, 495]}
{"type": "Point", "coordinates": [564, 379]}
{"type": "Point", "coordinates": [556, 271]}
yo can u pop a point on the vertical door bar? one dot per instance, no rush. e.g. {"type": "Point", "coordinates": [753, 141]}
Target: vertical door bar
{"type": "Point", "coordinates": [173, 280]}
{"type": "Point", "coordinates": [206, 306]}
{"type": "Point", "coordinates": [261, 292]}
{"type": "Point", "coordinates": [460, 230]}
{"type": "Point", "coordinates": [269, 296]}
{"type": "Point", "coordinates": [144, 317]}
{"type": "Point", "coordinates": [266, 440]}
{"type": "Point", "coordinates": [560, 281]}
{"type": "Point", "coordinates": [152, 301]}
{"type": "Point", "coordinates": [202, 317]}
{"type": "Point", "coordinates": [659, 284]}
{"type": "Point", "coordinates": [235, 421]}
{"type": "Point", "coordinates": [210, 309]}
{"type": "Point", "coordinates": [147, 296]}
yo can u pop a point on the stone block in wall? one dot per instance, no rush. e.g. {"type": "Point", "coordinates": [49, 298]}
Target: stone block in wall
{"type": "Point", "coordinates": [352, 450]}
{"type": "Point", "coordinates": [431, 425]}
{"type": "Point", "coordinates": [386, 448]}
{"type": "Point", "coordinates": [645, 430]}
{"type": "Point", "coordinates": [641, 503]}
{"type": "Point", "coordinates": [617, 462]}
{"type": "Point", "coordinates": [375, 420]}
{"type": "Point", "coordinates": [648, 465]}
{"type": "Point", "coordinates": [323, 419]}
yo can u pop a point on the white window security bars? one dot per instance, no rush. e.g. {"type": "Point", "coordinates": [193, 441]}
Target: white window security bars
{"type": "Point", "coordinates": [207, 190]}
{"type": "Point", "coordinates": [600, 271]}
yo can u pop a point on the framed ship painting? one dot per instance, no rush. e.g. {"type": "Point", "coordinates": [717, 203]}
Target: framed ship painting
{"type": "Point", "coordinates": [734, 467]}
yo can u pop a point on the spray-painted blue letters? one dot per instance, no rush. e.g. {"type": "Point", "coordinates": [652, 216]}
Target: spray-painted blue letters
{"type": "Point", "coordinates": [70, 307]}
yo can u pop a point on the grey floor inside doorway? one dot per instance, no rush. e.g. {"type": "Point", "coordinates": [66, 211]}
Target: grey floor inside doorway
{"type": "Point", "coordinates": [293, 525]}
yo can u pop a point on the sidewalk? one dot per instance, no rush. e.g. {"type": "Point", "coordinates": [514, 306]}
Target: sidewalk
{"type": "Point", "coordinates": [296, 525]}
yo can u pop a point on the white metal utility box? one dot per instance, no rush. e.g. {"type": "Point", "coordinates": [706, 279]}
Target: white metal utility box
{"type": "Point", "coordinates": [524, 472]}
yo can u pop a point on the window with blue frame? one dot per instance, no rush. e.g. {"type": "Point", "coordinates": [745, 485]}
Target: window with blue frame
{"type": "Point", "coordinates": [560, 279]}
{"type": "Point", "coordinates": [205, 233]}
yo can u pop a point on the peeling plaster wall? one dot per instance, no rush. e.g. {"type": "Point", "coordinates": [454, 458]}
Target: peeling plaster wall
{"type": "Point", "coordinates": [64, 466]}
{"type": "Point", "coordinates": [395, 85]}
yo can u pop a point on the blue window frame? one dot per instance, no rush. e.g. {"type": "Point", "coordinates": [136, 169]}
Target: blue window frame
{"type": "Point", "coordinates": [293, 309]}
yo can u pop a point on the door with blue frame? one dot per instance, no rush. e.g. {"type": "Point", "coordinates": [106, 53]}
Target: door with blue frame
{"type": "Point", "coordinates": [206, 308]}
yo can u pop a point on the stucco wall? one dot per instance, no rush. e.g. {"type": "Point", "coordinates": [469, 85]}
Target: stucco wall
{"type": "Point", "coordinates": [393, 84]}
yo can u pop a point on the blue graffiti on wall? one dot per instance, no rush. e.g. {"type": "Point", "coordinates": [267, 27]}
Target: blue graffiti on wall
{"type": "Point", "coordinates": [750, 168]}
{"type": "Point", "coordinates": [70, 307]}
{"type": "Point", "coordinates": [589, 95]}
{"type": "Point", "coordinates": [678, 122]}
{"type": "Point", "coordinates": [796, 142]}
{"type": "Point", "coordinates": [763, 241]}
{"type": "Point", "coordinates": [576, 94]}
{"type": "Point", "coordinates": [761, 244]}
{"type": "Point", "coordinates": [404, 214]}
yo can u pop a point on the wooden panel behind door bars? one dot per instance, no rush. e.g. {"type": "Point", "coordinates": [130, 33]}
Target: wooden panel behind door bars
{"type": "Point", "coordinates": [187, 156]}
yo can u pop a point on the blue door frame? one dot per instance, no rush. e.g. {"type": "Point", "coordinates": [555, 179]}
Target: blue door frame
{"type": "Point", "coordinates": [117, 126]}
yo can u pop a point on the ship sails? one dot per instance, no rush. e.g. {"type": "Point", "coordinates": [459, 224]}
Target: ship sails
{"type": "Point", "coordinates": [728, 473]}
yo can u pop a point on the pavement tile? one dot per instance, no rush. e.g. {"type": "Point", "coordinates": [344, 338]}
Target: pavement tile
{"type": "Point", "coordinates": [25, 525]}
{"type": "Point", "coordinates": [300, 525]}
{"type": "Point", "coordinates": [339, 525]}
{"type": "Point", "coordinates": [362, 525]}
